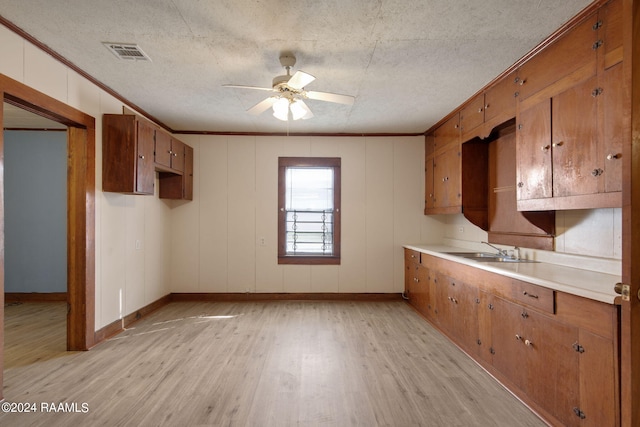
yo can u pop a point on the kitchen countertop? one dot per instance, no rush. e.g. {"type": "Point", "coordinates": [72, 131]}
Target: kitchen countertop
{"type": "Point", "coordinates": [585, 283]}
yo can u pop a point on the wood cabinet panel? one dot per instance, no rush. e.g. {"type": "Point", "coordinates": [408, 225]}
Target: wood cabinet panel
{"type": "Point", "coordinates": [163, 149]}
{"type": "Point", "coordinates": [127, 155]}
{"type": "Point", "coordinates": [616, 119]}
{"type": "Point", "coordinates": [145, 175]}
{"type": "Point", "coordinates": [500, 100]}
{"type": "Point", "coordinates": [448, 133]}
{"type": "Point", "coordinates": [574, 141]}
{"type": "Point", "coordinates": [428, 184]}
{"type": "Point", "coordinates": [597, 372]}
{"type": "Point", "coordinates": [569, 53]}
{"type": "Point", "coordinates": [533, 152]}
{"type": "Point", "coordinates": [610, 16]}
{"type": "Point", "coordinates": [472, 115]}
{"type": "Point", "coordinates": [447, 169]}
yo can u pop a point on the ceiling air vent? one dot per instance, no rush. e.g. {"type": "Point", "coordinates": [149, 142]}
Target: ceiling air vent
{"type": "Point", "coordinates": [130, 52]}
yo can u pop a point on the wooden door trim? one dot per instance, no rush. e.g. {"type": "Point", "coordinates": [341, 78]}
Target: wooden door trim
{"type": "Point", "coordinates": [80, 209]}
{"type": "Point", "coordinates": [630, 311]}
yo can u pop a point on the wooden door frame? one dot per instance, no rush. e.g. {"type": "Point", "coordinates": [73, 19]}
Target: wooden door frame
{"type": "Point", "coordinates": [630, 310]}
{"type": "Point", "coordinates": [80, 210]}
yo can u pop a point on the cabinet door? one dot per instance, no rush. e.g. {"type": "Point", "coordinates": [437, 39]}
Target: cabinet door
{"type": "Point", "coordinates": [472, 115]}
{"type": "Point", "coordinates": [177, 155]}
{"type": "Point", "coordinates": [615, 101]}
{"type": "Point", "coordinates": [500, 100]}
{"type": "Point", "coordinates": [485, 311]}
{"type": "Point", "coordinates": [442, 306]}
{"type": "Point", "coordinates": [428, 184]}
{"type": "Point", "coordinates": [552, 374]}
{"type": "Point", "coordinates": [507, 341]}
{"type": "Point", "coordinates": [465, 305]}
{"type": "Point", "coordinates": [188, 173]}
{"type": "Point", "coordinates": [163, 149]}
{"type": "Point", "coordinates": [145, 172]}
{"type": "Point", "coordinates": [598, 379]}
{"type": "Point", "coordinates": [446, 176]}
{"type": "Point", "coordinates": [574, 141]}
{"type": "Point", "coordinates": [448, 133]}
{"type": "Point", "coordinates": [533, 152]}
{"type": "Point", "coordinates": [569, 53]}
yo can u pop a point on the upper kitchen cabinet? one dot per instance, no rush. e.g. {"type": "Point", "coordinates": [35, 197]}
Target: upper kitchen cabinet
{"type": "Point", "coordinates": [455, 174]}
{"type": "Point", "coordinates": [127, 155]}
{"type": "Point", "coordinates": [133, 149]}
{"type": "Point", "coordinates": [570, 136]}
{"type": "Point", "coordinates": [443, 169]}
{"type": "Point", "coordinates": [484, 112]}
{"type": "Point", "coordinates": [570, 58]}
{"type": "Point", "coordinates": [169, 152]}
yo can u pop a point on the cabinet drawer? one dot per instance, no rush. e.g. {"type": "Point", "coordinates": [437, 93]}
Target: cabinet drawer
{"type": "Point", "coordinates": [411, 256]}
{"type": "Point", "coordinates": [534, 295]}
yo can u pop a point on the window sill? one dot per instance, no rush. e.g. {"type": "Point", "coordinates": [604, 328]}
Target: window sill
{"type": "Point", "coordinates": [309, 260]}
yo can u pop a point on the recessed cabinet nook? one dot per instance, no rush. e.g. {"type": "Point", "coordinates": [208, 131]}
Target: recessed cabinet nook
{"type": "Point", "coordinates": [545, 135]}
{"type": "Point", "coordinates": [134, 149]}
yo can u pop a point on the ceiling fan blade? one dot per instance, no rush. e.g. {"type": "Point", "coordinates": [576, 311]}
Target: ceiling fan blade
{"type": "Point", "coordinates": [249, 87]}
{"type": "Point", "coordinates": [262, 106]}
{"type": "Point", "coordinates": [300, 79]}
{"type": "Point", "coordinates": [331, 97]}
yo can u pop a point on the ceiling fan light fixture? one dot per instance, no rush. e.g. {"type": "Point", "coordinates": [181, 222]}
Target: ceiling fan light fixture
{"type": "Point", "coordinates": [297, 110]}
{"type": "Point", "coordinates": [281, 109]}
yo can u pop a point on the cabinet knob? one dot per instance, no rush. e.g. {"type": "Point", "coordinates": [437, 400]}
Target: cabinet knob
{"type": "Point", "coordinates": [545, 148]}
{"type": "Point", "coordinates": [520, 184]}
{"type": "Point", "coordinates": [558, 144]}
{"type": "Point", "coordinates": [518, 337]}
{"type": "Point", "coordinates": [480, 110]}
{"type": "Point", "coordinates": [141, 156]}
{"type": "Point", "coordinates": [597, 172]}
{"type": "Point", "coordinates": [528, 343]}
{"type": "Point", "coordinates": [524, 314]}
{"type": "Point", "coordinates": [486, 106]}
{"type": "Point", "coordinates": [612, 156]}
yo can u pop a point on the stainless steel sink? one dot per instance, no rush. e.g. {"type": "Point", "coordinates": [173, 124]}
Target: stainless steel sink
{"type": "Point", "coordinates": [488, 257]}
{"type": "Point", "coordinates": [473, 254]}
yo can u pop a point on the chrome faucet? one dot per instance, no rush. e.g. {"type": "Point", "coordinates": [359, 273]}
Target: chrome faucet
{"type": "Point", "coordinates": [502, 252]}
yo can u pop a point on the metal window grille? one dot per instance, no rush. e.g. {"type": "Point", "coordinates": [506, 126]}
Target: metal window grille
{"type": "Point", "coordinates": [309, 232]}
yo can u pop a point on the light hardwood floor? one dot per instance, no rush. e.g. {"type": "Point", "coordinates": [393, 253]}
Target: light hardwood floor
{"type": "Point", "coordinates": [283, 363]}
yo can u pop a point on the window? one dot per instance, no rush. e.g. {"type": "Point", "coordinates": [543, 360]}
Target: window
{"type": "Point", "coordinates": [308, 210]}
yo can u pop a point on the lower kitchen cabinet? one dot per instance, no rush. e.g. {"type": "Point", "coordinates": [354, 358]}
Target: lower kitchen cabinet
{"type": "Point", "coordinates": [418, 286]}
{"type": "Point", "coordinates": [557, 352]}
{"type": "Point", "coordinates": [457, 310]}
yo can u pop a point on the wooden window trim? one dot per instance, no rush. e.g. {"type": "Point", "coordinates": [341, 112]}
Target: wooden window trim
{"type": "Point", "coordinates": [283, 164]}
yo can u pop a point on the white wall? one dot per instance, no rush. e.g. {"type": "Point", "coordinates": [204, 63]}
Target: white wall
{"type": "Point", "coordinates": [126, 279]}
{"type": "Point", "coordinates": [589, 238]}
{"type": "Point", "coordinates": [216, 238]}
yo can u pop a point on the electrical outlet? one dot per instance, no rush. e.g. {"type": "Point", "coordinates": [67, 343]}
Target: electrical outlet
{"type": "Point", "coordinates": [263, 241]}
{"type": "Point", "coordinates": [138, 245]}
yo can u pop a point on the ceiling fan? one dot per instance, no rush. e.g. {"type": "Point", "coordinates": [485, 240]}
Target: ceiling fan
{"type": "Point", "coordinates": [290, 93]}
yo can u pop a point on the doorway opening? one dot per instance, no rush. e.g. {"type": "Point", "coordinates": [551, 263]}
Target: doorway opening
{"type": "Point", "coordinates": [80, 206]}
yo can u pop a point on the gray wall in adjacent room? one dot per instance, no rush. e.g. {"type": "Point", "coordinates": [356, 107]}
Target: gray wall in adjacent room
{"type": "Point", "coordinates": [35, 188]}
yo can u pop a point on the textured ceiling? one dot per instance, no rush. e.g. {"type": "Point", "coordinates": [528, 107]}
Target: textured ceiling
{"type": "Point", "coordinates": [407, 62]}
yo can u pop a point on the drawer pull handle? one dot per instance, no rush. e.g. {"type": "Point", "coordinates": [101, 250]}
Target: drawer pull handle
{"type": "Point", "coordinates": [527, 294]}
